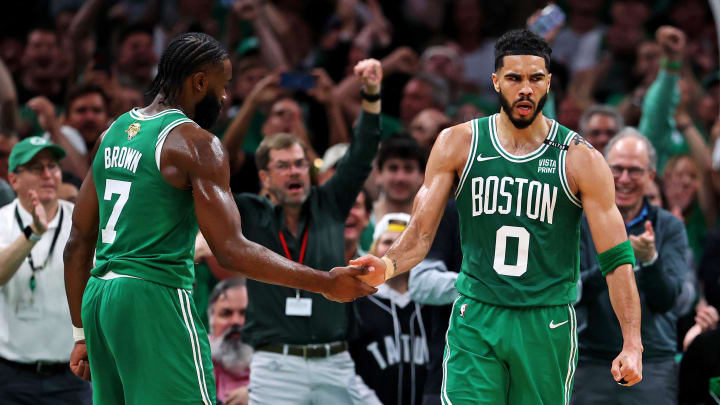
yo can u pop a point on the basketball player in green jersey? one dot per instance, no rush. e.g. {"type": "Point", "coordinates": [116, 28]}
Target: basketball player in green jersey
{"type": "Point", "coordinates": [524, 181]}
{"type": "Point", "coordinates": [156, 176]}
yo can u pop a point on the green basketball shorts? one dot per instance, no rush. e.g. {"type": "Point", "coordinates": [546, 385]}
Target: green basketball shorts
{"type": "Point", "coordinates": [509, 356]}
{"type": "Point", "coordinates": [146, 344]}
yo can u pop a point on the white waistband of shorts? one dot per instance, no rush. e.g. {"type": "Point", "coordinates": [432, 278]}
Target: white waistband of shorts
{"type": "Point", "coordinates": [112, 275]}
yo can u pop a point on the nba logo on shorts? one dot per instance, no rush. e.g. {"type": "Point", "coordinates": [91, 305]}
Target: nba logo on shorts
{"type": "Point", "coordinates": [462, 310]}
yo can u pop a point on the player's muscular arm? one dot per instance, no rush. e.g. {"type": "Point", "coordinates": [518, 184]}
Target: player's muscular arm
{"type": "Point", "coordinates": [197, 158]}
{"type": "Point", "coordinates": [78, 256]}
{"type": "Point", "coordinates": [446, 161]}
{"type": "Point", "coordinates": [80, 247]}
{"type": "Point", "coordinates": [590, 177]}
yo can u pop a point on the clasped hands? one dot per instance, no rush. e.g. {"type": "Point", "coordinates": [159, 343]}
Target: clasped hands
{"type": "Point", "coordinates": [356, 280]}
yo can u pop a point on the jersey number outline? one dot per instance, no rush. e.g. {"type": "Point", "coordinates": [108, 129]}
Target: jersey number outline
{"type": "Point", "coordinates": [121, 188]}
{"type": "Point", "coordinates": [501, 236]}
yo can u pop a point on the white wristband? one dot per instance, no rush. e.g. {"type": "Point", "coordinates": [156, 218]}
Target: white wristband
{"type": "Point", "coordinates": [78, 334]}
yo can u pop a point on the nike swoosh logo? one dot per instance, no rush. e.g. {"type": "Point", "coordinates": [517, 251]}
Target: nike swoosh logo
{"type": "Point", "coordinates": [555, 325]}
{"type": "Point", "coordinates": [482, 159]}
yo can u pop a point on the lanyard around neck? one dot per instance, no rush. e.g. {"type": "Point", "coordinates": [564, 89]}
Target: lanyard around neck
{"type": "Point", "coordinates": [302, 248]}
{"type": "Point", "coordinates": [52, 245]}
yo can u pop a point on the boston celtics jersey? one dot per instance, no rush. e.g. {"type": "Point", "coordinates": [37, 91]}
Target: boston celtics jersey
{"type": "Point", "coordinates": [519, 221]}
{"type": "Point", "coordinates": [147, 226]}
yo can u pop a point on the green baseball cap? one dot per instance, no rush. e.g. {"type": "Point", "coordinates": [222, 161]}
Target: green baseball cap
{"type": "Point", "coordinates": [25, 150]}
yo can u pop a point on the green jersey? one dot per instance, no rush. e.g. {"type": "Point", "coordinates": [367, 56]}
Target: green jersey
{"type": "Point", "coordinates": [519, 222]}
{"type": "Point", "coordinates": [147, 226]}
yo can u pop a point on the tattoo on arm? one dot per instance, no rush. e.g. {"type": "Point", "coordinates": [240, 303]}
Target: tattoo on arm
{"type": "Point", "coordinates": [578, 139]}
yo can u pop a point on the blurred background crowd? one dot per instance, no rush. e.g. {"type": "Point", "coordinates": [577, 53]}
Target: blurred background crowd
{"type": "Point", "coordinates": [68, 68]}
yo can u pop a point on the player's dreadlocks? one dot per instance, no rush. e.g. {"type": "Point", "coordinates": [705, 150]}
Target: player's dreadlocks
{"type": "Point", "coordinates": [521, 42]}
{"type": "Point", "coordinates": [185, 55]}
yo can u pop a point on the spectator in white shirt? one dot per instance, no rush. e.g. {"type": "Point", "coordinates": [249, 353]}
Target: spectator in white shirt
{"type": "Point", "coordinates": [35, 341]}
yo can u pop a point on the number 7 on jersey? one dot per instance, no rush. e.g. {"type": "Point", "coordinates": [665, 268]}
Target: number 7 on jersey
{"type": "Point", "coordinates": [114, 187]}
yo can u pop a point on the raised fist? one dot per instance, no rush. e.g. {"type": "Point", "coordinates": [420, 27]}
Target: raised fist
{"type": "Point", "coordinates": [672, 41]}
{"type": "Point", "coordinates": [370, 72]}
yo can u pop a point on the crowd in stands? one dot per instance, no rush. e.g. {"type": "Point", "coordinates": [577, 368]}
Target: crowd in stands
{"type": "Point", "coordinates": [322, 174]}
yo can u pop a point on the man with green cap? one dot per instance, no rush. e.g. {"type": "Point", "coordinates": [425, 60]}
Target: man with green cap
{"type": "Point", "coordinates": [34, 228]}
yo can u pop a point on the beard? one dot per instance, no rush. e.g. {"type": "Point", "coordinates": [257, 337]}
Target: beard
{"type": "Point", "coordinates": [232, 354]}
{"type": "Point", "coordinates": [521, 123]}
{"type": "Point", "coordinates": [283, 198]}
{"type": "Point", "coordinates": [207, 110]}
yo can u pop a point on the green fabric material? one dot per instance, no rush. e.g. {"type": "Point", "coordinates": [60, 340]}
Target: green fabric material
{"type": "Point", "coordinates": [254, 133]}
{"type": "Point", "coordinates": [366, 238]}
{"type": "Point", "coordinates": [508, 356]}
{"type": "Point", "coordinates": [550, 110]}
{"type": "Point", "coordinates": [323, 215]}
{"type": "Point", "coordinates": [205, 281]}
{"type": "Point", "coordinates": [25, 150]}
{"type": "Point", "coordinates": [253, 137]}
{"type": "Point", "coordinates": [146, 344]}
{"type": "Point", "coordinates": [390, 126]}
{"type": "Point", "coordinates": [657, 121]}
{"type": "Point", "coordinates": [29, 116]}
{"type": "Point", "coordinates": [715, 387]}
{"type": "Point", "coordinates": [519, 223]}
{"type": "Point", "coordinates": [617, 255]}
{"type": "Point", "coordinates": [696, 228]}
{"type": "Point", "coordinates": [247, 45]}
{"type": "Point", "coordinates": [615, 99]}
{"type": "Point", "coordinates": [147, 226]}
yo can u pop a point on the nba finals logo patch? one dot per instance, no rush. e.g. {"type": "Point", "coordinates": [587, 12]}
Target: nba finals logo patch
{"type": "Point", "coordinates": [133, 130]}
{"type": "Point", "coordinates": [462, 310]}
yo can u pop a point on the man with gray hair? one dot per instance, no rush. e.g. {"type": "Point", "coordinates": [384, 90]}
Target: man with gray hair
{"type": "Point", "coordinates": [599, 123]}
{"type": "Point", "coordinates": [662, 271]}
{"type": "Point", "coordinates": [230, 355]}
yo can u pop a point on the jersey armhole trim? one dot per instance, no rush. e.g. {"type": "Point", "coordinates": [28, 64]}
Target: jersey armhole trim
{"type": "Point", "coordinates": [105, 132]}
{"type": "Point", "coordinates": [163, 135]}
{"type": "Point", "coordinates": [471, 155]}
{"type": "Point", "coordinates": [563, 176]}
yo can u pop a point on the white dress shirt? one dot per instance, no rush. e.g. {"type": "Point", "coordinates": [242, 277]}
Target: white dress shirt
{"type": "Point", "coordinates": [35, 325]}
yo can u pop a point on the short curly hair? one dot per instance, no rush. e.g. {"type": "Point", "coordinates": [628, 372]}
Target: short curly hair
{"type": "Point", "coordinates": [521, 42]}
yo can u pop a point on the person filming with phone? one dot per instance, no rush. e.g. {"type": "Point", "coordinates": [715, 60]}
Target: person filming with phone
{"type": "Point", "coordinates": [274, 93]}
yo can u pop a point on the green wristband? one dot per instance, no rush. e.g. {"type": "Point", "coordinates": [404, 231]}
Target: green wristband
{"type": "Point", "coordinates": [618, 255]}
{"type": "Point", "coordinates": [672, 66]}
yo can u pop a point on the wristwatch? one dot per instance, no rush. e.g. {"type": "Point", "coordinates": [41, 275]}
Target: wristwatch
{"type": "Point", "coordinates": [30, 235]}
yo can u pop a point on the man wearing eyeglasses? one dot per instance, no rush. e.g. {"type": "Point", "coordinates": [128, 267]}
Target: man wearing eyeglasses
{"type": "Point", "coordinates": [299, 338]}
{"type": "Point", "coordinates": [661, 250]}
{"type": "Point", "coordinates": [33, 308]}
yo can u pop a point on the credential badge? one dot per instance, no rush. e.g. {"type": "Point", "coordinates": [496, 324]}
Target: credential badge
{"type": "Point", "coordinates": [133, 130]}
